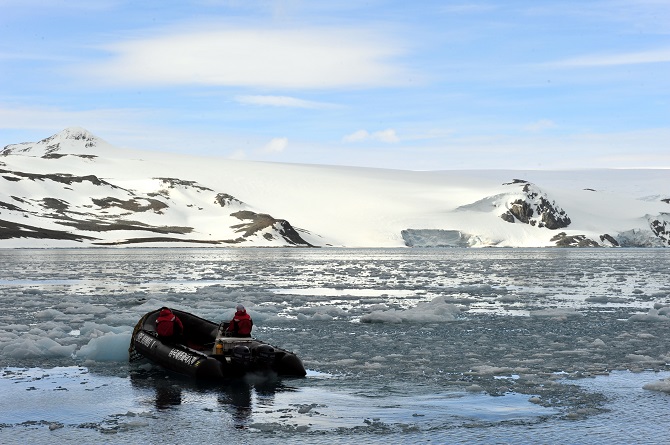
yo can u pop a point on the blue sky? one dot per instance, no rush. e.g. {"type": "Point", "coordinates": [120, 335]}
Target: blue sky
{"type": "Point", "coordinates": [394, 84]}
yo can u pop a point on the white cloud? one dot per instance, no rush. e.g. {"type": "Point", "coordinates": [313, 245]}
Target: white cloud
{"type": "Point", "coordinates": [284, 101]}
{"type": "Point", "coordinates": [276, 145]}
{"type": "Point", "coordinates": [312, 58]}
{"type": "Point", "coordinates": [389, 135]}
{"type": "Point", "coordinates": [468, 8]}
{"type": "Point", "coordinates": [541, 125]}
{"type": "Point", "coordinates": [36, 7]}
{"type": "Point", "coordinates": [633, 58]}
{"type": "Point", "coordinates": [56, 119]}
{"type": "Point", "coordinates": [239, 155]}
{"type": "Point", "coordinates": [357, 136]}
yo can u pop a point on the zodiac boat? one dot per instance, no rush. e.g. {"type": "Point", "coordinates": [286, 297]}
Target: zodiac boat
{"type": "Point", "coordinates": [198, 356]}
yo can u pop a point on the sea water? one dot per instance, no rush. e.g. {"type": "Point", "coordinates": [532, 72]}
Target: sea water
{"type": "Point", "coordinates": [419, 345]}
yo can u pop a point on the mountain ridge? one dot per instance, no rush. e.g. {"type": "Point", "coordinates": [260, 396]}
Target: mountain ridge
{"type": "Point", "coordinates": [75, 189]}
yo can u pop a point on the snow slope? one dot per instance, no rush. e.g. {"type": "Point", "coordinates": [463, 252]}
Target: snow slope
{"type": "Point", "coordinates": [73, 189]}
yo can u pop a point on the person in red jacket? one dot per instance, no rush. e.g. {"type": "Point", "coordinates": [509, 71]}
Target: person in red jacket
{"type": "Point", "coordinates": [241, 324]}
{"type": "Point", "coordinates": [169, 327]}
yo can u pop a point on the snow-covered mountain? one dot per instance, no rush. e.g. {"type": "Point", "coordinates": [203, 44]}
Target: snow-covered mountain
{"type": "Point", "coordinates": [74, 189]}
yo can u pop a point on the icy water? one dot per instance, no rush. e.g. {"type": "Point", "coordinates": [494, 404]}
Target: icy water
{"type": "Point", "coordinates": [402, 346]}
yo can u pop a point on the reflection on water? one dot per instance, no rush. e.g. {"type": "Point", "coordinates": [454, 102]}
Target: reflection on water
{"type": "Point", "coordinates": [167, 396]}
{"type": "Point", "coordinates": [236, 399]}
{"type": "Point", "coordinates": [240, 399]}
{"type": "Point", "coordinates": [50, 405]}
{"type": "Point", "coordinates": [263, 404]}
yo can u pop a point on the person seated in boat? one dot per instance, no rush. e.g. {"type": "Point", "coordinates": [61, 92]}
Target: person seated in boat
{"type": "Point", "coordinates": [169, 327]}
{"type": "Point", "coordinates": [241, 324]}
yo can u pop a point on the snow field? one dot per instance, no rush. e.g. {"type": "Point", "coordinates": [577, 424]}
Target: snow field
{"type": "Point", "coordinates": [338, 206]}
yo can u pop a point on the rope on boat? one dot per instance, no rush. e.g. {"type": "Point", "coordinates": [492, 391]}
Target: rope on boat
{"type": "Point", "coordinates": [133, 354]}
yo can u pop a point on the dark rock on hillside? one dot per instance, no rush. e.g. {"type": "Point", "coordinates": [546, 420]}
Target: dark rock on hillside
{"type": "Point", "coordinates": [564, 240]}
{"type": "Point", "coordinates": [516, 181]}
{"type": "Point", "coordinates": [176, 182]}
{"type": "Point", "coordinates": [661, 227]}
{"type": "Point", "coordinates": [509, 217]}
{"type": "Point", "coordinates": [8, 206]}
{"type": "Point", "coordinates": [224, 199]}
{"type": "Point", "coordinates": [63, 178]}
{"type": "Point", "coordinates": [9, 230]}
{"type": "Point", "coordinates": [535, 208]}
{"type": "Point", "coordinates": [97, 225]}
{"type": "Point", "coordinates": [259, 221]}
{"type": "Point", "coordinates": [132, 205]}
{"type": "Point", "coordinates": [522, 211]}
{"type": "Point", "coordinates": [57, 205]}
{"type": "Point", "coordinates": [609, 239]}
{"type": "Point", "coordinates": [155, 239]}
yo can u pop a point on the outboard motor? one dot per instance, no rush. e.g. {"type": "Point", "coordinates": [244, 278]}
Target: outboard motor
{"type": "Point", "coordinates": [265, 355]}
{"type": "Point", "coordinates": [241, 355]}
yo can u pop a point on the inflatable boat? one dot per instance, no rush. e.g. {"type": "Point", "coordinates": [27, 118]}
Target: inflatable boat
{"type": "Point", "coordinates": [205, 353]}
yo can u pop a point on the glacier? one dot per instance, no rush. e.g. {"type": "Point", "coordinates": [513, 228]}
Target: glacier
{"type": "Point", "coordinates": [74, 189]}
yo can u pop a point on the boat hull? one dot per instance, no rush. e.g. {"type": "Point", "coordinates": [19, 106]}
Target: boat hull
{"type": "Point", "coordinates": [196, 356]}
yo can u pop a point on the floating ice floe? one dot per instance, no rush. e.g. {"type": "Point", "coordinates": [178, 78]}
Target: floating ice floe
{"type": "Point", "coordinates": [435, 311]}
{"type": "Point", "coordinates": [654, 315]}
{"type": "Point", "coordinates": [659, 385]}
{"type": "Point", "coordinates": [109, 347]}
{"type": "Point", "coordinates": [556, 313]}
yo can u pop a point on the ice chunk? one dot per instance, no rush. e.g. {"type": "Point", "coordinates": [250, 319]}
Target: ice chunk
{"type": "Point", "coordinates": [659, 385]}
{"type": "Point", "coordinates": [560, 314]}
{"type": "Point", "coordinates": [598, 343]}
{"type": "Point", "coordinates": [40, 347]}
{"type": "Point", "coordinates": [653, 315]}
{"type": "Point", "coordinates": [435, 311]}
{"type": "Point", "coordinates": [110, 347]}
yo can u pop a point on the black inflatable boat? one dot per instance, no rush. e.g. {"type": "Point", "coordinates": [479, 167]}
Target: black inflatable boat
{"type": "Point", "coordinates": [197, 354]}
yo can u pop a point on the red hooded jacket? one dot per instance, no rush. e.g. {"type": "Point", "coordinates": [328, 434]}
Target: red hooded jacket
{"type": "Point", "coordinates": [168, 324]}
{"type": "Point", "coordinates": [241, 324]}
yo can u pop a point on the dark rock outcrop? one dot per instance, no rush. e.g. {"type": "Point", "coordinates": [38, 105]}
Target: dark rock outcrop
{"type": "Point", "coordinates": [606, 238]}
{"type": "Point", "coordinates": [176, 182]}
{"type": "Point", "coordinates": [224, 199]}
{"type": "Point", "coordinates": [9, 230]}
{"type": "Point", "coordinates": [660, 226]}
{"type": "Point", "coordinates": [260, 221]}
{"type": "Point", "coordinates": [564, 240]}
{"type": "Point", "coordinates": [63, 178]}
{"type": "Point", "coordinates": [535, 208]}
{"type": "Point", "coordinates": [132, 205]}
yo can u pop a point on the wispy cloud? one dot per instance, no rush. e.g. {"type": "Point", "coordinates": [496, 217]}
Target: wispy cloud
{"type": "Point", "coordinates": [468, 8]}
{"type": "Point", "coordinates": [284, 101]}
{"type": "Point", "coordinates": [389, 136]}
{"type": "Point", "coordinates": [56, 118]}
{"type": "Point", "coordinates": [32, 56]}
{"type": "Point", "coordinates": [307, 58]}
{"type": "Point", "coordinates": [630, 58]}
{"type": "Point", "coordinates": [541, 125]}
{"type": "Point", "coordinates": [276, 145]}
{"type": "Point", "coordinates": [40, 6]}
